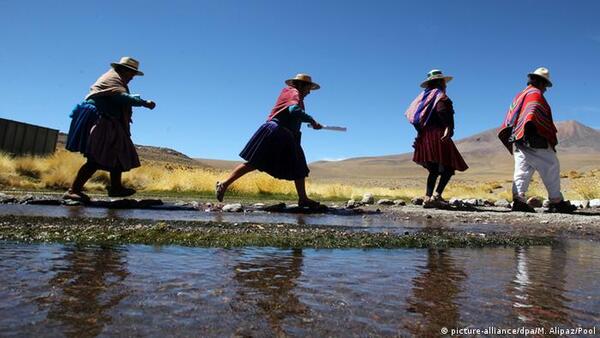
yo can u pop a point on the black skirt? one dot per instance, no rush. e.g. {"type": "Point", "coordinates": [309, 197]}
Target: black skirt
{"type": "Point", "coordinates": [276, 150]}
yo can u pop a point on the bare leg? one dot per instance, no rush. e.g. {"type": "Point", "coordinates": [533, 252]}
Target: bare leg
{"type": "Point", "coordinates": [238, 172]}
{"type": "Point", "coordinates": [83, 175]}
{"type": "Point", "coordinates": [303, 199]}
{"type": "Point", "coordinates": [75, 192]}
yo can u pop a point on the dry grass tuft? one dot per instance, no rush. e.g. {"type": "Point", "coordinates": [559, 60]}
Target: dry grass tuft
{"type": "Point", "coordinates": [586, 188]}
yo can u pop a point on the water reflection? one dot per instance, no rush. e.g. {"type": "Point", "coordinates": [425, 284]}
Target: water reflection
{"type": "Point", "coordinates": [538, 288]}
{"type": "Point", "coordinates": [138, 290]}
{"type": "Point", "coordinates": [269, 281]}
{"type": "Point", "coordinates": [435, 293]}
{"type": "Point", "coordinates": [87, 285]}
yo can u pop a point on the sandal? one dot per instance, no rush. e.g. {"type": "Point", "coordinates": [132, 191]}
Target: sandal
{"type": "Point", "coordinates": [310, 204]}
{"type": "Point", "coordinates": [76, 196]}
{"type": "Point", "coordinates": [562, 207]}
{"type": "Point", "coordinates": [519, 205]}
{"type": "Point", "coordinates": [428, 202]}
{"type": "Point", "coordinates": [435, 202]}
{"type": "Point", "coordinates": [220, 191]}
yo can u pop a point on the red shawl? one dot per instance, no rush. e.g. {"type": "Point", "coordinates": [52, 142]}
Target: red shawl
{"type": "Point", "coordinates": [289, 96]}
{"type": "Point", "coordinates": [529, 106]}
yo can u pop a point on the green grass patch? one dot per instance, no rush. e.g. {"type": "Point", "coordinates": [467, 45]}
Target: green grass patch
{"type": "Point", "coordinates": [229, 235]}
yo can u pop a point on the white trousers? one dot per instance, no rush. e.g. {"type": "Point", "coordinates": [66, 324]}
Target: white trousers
{"type": "Point", "coordinates": [527, 161]}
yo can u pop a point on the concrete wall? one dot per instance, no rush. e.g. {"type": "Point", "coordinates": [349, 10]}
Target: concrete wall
{"type": "Point", "coordinates": [26, 139]}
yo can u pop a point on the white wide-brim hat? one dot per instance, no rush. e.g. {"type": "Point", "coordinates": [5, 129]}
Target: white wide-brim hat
{"type": "Point", "coordinates": [303, 78]}
{"type": "Point", "coordinates": [435, 74]}
{"type": "Point", "coordinates": [544, 73]}
{"type": "Point", "coordinates": [130, 63]}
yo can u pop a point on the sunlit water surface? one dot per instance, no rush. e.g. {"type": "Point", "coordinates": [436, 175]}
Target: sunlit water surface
{"type": "Point", "coordinates": [137, 290]}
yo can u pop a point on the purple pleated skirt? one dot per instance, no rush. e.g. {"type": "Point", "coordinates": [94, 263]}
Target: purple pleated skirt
{"type": "Point", "coordinates": [276, 150]}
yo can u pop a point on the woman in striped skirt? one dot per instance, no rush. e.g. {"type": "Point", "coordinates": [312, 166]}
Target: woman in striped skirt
{"type": "Point", "coordinates": [432, 115]}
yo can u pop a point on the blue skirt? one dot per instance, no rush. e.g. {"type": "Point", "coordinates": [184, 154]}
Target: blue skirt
{"type": "Point", "coordinates": [83, 118]}
{"type": "Point", "coordinates": [276, 150]}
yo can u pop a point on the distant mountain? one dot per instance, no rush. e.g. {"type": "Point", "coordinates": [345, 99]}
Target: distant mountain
{"type": "Point", "coordinates": [579, 149]}
{"type": "Point", "coordinates": [572, 135]}
{"type": "Point", "coordinates": [154, 154]}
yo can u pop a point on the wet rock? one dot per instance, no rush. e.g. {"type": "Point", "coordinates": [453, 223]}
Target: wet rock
{"type": "Point", "coordinates": [258, 205]}
{"type": "Point", "coordinates": [399, 203]}
{"type": "Point", "coordinates": [26, 199]}
{"type": "Point", "coordinates": [279, 207]}
{"type": "Point", "coordinates": [455, 202]}
{"type": "Point", "coordinates": [385, 201]}
{"type": "Point", "coordinates": [44, 202]}
{"type": "Point", "coordinates": [417, 201]}
{"type": "Point", "coordinates": [71, 203]}
{"type": "Point", "coordinates": [183, 204]}
{"type": "Point", "coordinates": [234, 207]}
{"type": "Point", "coordinates": [351, 204]}
{"type": "Point", "coordinates": [6, 199]}
{"type": "Point", "coordinates": [470, 202]}
{"type": "Point", "coordinates": [595, 203]}
{"type": "Point", "coordinates": [502, 203]}
{"type": "Point", "coordinates": [546, 203]}
{"type": "Point", "coordinates": [535, 202]}
{"type": "Point", "coordinates": [584, 204]}
{"type": "Point", "coordinates": [147, 203]}
{"type": "Point", "coordinates": [368, 199]}
{"type": "Point", "coordinates": [488, 203]}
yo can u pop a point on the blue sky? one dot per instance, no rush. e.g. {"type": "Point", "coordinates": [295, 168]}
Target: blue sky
{"type": "Point", "coordinates": [215, 68]}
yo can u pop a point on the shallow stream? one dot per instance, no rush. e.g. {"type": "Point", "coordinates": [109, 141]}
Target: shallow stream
{"type": "Point", "coordinates": [137, 290]}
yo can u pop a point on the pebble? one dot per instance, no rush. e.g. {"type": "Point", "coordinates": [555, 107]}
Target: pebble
{"type": "Point", "coordinates": [417, 201]}
{"type": "Point", "coordinates": [535, 202]}
{"type": "Point", "coordinates": [385, 201]}
{"type": "Point", "coordinates": [351, 204]}
{"type": "Point", "coordinates": [502, 203]}
{"type": "Point", "coordinates": [368, 199]}
{"type": "Point", "coordinates": [235, 207]}
{"type": "Point", "coordinates": [584, 204]}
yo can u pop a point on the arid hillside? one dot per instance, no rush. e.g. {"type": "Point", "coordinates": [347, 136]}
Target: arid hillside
{"type": "Point", "coordinates": [579, 149]}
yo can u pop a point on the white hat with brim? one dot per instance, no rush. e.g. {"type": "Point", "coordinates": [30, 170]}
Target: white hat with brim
{"type": "Point", "coordinates": [129, 63]}
{"type": "Point", "coordinates": [542, 72]}
{"type": "Point", "coordinates": [303, 78]}
{"type": "Point", "coordinates": [435, 74]}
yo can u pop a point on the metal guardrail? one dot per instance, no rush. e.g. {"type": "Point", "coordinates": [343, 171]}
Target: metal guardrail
{"type": "Point", "coordinates": [20, 138]}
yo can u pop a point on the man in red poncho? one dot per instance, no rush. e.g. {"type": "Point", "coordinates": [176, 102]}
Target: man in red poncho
{"type": "Point", "coordinates": [529, 127]}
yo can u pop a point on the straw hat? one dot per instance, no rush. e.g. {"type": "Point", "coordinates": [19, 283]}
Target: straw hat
{"type": "Point", "coordinates": [128, 62]}
{"type": "Point", "coordinates": [435, 74]}
{"type": "Point", "coordinates": [303, 78]}
{"type": "Point", "coordinates": [542, 72]}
